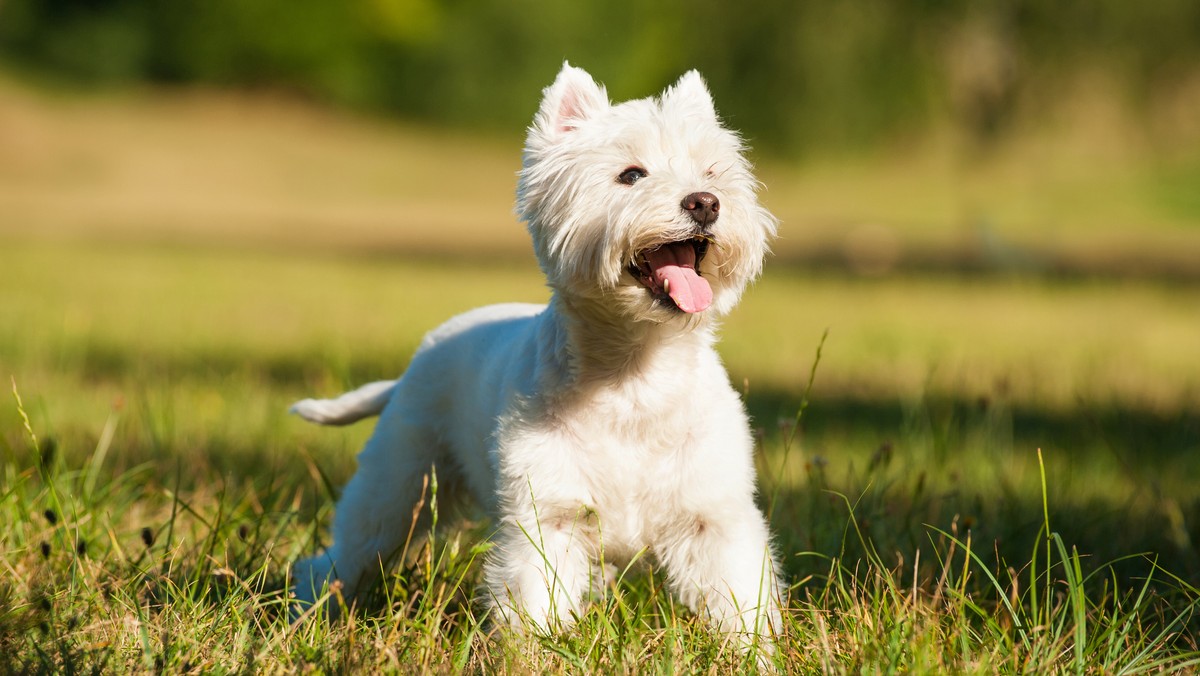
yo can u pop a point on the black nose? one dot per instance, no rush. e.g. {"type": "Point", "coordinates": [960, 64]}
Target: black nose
{"type": "Point", "coordinates": [703, 207]}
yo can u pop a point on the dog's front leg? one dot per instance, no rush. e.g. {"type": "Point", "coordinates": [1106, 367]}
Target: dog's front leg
{"type": "Point", "coordinates": [720, 564]}
{"type": "Point", "coordinates": [540, 569]}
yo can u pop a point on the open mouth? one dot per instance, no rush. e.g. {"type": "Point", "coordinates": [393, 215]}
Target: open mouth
{"type": "Point", "coordinates": [671, 273]}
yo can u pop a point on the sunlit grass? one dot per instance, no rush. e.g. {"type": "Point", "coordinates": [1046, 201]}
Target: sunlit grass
{"type": "Point", "coordinates": [105, 311]}
{"type": "Point", "coordinates": [180, 566]}
{"type": "Point", "coordinates": [993, 474]}
{"type": "Point", "coordinates": [156, 380]}
{"type": "Point", "coordinates": [1051, 344]}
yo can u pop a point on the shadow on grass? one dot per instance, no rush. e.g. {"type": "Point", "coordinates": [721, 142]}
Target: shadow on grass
{"type": "Point", "coordinates": [879, 476]}
{"type": "Point", "coordinates": [99, 361]}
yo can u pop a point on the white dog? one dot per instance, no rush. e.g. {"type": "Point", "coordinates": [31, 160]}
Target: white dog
{"type": "Point", "coordinates": [603, 424]}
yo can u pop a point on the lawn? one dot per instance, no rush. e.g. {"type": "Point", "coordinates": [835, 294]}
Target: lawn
{"type": "Point", "coordinates": [990, 473]}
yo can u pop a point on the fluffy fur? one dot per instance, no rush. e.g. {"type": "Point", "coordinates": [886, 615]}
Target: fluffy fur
{"type": "Point", "coordinates": [603, 424]}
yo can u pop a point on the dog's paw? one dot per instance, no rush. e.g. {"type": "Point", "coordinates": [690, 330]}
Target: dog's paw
{"type": "Point", "coordinates": [311, 578]}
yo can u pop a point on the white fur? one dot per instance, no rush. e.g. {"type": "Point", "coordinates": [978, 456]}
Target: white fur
{"type": "Point", "coordinates": [353, 406]}
{"type": "Point", "coordinates": [603, 424]}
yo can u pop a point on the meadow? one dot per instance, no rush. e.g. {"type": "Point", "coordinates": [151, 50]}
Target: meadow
{"type": "Point", "coordinates": [979, 472]}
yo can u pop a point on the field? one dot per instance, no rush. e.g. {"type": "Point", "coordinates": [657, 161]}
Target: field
{"type": "Point", "coordinates": [992, 471]}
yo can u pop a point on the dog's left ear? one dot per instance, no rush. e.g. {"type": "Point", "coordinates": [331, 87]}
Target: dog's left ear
{"type": "Point", "coordinates": [690, 94]}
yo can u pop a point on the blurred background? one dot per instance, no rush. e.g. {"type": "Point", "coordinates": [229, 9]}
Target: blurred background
{"type": "Point", "coordinates": [992, 206]}
{"type": "Point", "coordinates": [1058, 137]}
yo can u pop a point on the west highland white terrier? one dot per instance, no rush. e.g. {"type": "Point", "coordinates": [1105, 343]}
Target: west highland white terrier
{"type": "Point", "coordinates": [601, 425]}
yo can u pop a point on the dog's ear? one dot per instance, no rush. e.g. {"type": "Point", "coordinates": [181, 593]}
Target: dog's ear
{"type": "Point", "coordinates": [572, 98]}
{"type": "Point", "coordinates": [690, 95]}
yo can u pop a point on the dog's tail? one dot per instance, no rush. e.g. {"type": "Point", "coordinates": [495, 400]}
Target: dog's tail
{"type": "Point", "coordinates": [352, 406]}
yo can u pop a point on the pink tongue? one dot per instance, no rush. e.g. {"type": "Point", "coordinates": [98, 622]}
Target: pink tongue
{"type": "Point", "coordinates": [674, 267]}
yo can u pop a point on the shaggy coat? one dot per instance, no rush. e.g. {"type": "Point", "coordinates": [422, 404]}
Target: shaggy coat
{"type": "Point", "coordinates": [603, 424]}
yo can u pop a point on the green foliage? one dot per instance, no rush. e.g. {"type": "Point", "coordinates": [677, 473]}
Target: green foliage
{"type": "Point", "coordinates": [796, 76]}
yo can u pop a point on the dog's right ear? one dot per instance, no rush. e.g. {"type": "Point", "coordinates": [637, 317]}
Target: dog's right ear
{"type": "Point", "coordinates": [573, 98]}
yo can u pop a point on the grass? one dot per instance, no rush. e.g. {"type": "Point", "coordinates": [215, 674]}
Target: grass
{"type": "Point", "coordinates": [990, 474]}
{"type": "Point", "coordinates": [909, 506]}
{"type": "Point", "coordinates": [1050, 345]}
{"type": "Point", "coordinates": [179, 566]}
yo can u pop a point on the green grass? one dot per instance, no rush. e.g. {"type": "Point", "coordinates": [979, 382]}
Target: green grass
{"type": "Point", "coordinates": [991, 474]}
{"type": "Point", "coordinates": [180, 569]}
{"type": "Point", "coordinates": [152, 505]}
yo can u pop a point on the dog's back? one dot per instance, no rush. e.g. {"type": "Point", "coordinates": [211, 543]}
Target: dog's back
{"type": "Point", "coordinates": [370, 399]}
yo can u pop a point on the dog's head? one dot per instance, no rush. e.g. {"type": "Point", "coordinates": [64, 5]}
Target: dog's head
{"type": "Point", "coordinates": [646, 208]}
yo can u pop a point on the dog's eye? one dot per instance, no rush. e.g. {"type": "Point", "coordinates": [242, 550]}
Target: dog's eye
{"type": "Point", "coordinates": [631, 175]}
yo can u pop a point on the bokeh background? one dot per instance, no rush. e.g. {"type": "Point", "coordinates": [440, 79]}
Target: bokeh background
{"type": "Point", "coordinates": [210, 208]}
{"type": "Point", "coordinates": [1052, 137]}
